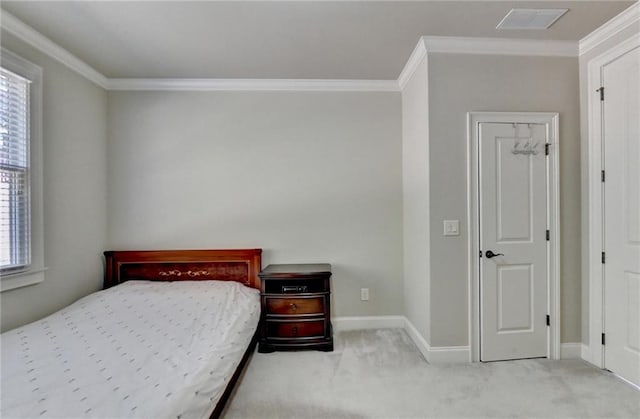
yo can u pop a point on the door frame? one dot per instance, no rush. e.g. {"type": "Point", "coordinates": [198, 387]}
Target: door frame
{"type": "Point", "coordinates": [553, 223]}
{"type": "Point", "coordinates": [595, 235]}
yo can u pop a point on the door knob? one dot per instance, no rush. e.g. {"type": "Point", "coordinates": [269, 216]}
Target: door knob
{"type": "Point", "coordinates": [489, 254]}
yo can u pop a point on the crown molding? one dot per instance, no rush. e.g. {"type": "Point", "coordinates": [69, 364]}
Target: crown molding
{"type": "Point", "coordinates": [416, 57]}
{"type": "Point", "coordinates": [495, 46]}
{"type": "Point", "coordinates": [425, 45]}
{"type": "Point", "coordinates": [34, 38]}
{"type": "Point", "coordinates": [313, 85]}
{"type": "Point", "coordinates": [500, 46]}
{"type": "Point", "coordinates": [614, 26]}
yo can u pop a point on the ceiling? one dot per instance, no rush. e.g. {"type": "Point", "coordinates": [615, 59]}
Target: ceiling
{"type": "Point", "coordinates": [359, 40]}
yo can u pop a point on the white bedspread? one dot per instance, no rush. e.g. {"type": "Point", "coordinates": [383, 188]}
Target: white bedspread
{"type": "Point", "coordinates": [141, 349]}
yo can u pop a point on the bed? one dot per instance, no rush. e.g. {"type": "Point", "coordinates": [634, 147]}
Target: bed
{"type": "Point", "coordinates": [168, 336]}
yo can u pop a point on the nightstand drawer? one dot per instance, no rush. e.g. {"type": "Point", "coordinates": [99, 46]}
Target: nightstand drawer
{"type": "Point", "coordinates": [295, 329]}
{"type": "Point", "coordinates": [295, 306]}
{"type": "Point", "coordinates": [296, 286]}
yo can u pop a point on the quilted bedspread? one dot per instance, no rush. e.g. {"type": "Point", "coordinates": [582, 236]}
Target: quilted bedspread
{"type": "Point", "coordinates": [140, 349]}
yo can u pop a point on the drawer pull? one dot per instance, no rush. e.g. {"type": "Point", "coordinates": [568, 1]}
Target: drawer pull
{"type": "Point", "coordinates": [293, 307]}
{"type": "Point", "coordinates": [294, 331]}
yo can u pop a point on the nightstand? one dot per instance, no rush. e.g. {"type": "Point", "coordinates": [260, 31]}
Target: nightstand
{"type": "Point", "coordinates": [296, 307]}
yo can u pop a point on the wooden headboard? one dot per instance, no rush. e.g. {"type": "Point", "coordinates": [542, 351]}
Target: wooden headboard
{"type": "Point", "coordinates": [240, 265]}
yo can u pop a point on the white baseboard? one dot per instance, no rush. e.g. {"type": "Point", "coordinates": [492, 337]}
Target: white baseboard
{"type": "Point", "coordinates": [341, 324]}
{"type": "Point", "coordinates": [585, 353]}
{"type": "Point", "coordinates": [571, 350]}
{"type": "Point", "coordinates": [417, 338]}
{"type": "Point", "coordinates": [449, 354]}
{"type": "Point", "coordinates": [434, 355]}
{"type": "Point", "coordinates": [437, 354]}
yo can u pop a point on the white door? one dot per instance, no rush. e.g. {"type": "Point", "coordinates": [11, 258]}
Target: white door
{"type": "Point", "coordinates": [513, 224]}
{"type": "Point", "coordinates": [622, 216]}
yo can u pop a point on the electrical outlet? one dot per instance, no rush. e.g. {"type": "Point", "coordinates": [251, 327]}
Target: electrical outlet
{"type": "Point", "coordinates": [364, 294]}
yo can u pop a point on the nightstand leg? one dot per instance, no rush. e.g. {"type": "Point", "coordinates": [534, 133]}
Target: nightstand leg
{"type": "Point", "coordinates": [326, 348]}
{"type": "Point", "coordinates": [265, 348]}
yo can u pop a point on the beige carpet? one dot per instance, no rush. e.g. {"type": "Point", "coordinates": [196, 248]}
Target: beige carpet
{"type": "Point", "coordinates": [381, 374]}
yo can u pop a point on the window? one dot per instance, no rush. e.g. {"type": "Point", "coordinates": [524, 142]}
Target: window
{"type": "Point", "coordinates": [21, 238]}
{"type": "Point", "coordinates": [15, 216]}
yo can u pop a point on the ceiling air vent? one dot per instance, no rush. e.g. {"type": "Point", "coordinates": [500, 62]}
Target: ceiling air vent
{"type": "Point", "coordinates": [530, 18]}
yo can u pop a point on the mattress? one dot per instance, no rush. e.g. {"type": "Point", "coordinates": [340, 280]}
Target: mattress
{"type": "Point", "coordinates": [140, 349]}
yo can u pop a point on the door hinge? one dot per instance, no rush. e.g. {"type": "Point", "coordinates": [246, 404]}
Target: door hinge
{"type": "Point", "coordinates": [602, 176]}
{"type": "Point", "coordinates": [546, 149]}
{"type": "Point", "coordinates": [601, 90]}
{"type": "Point", "coordinates": [603, 338]}
{"type": "Point", "coordinates": [548, 320]}
{"type": "Point", "coordinates": [603, 257]}
{"type": "Point", "coordinates": [548, 235]}
{"type": "Point", "coordinates": [481, 253]}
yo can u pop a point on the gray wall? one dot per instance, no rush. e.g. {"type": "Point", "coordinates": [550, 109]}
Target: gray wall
{"type": "Point", "coordinates": [415, 188]}
{"type": "Point", "coordinates": [310, 177]}
{"type": "Point", "coordinates": [307, 176]}
{"type": "Point", "coordinates": [462, 83]}
{"type": "Point", "coordinates": [75, 217]}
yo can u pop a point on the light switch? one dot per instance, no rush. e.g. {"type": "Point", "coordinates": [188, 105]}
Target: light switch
{"type": "Point", "coordinates": [451, 227]}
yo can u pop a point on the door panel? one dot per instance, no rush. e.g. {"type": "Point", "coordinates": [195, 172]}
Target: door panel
{"type": "Point", "coordinates": [514, 200]}
{"type": "Point", "coordinates": [633, 311]}
{"type": "Point", "coordinates": [622, 216]}
{"type": "Point", "coordinates": [515, 298]}
{"type": "Point", "coordinates": [513, 220]}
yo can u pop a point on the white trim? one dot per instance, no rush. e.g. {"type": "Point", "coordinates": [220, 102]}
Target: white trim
{"type": "Point", "coordinates": [500, 46]}
{"type": "Point", "coordinates": [420, 342]}
{"type": "Point", "coordinates": [614, 26]}
{"type": "Point", "coordinates": [341, 324]}
{"type": "Point", "coordinates": [594, 271]}
{"type": "Point", "coordinates": [460, 45]}
{"type": "Point", "coordinates": [434, 355]}
{"type": "Point", "coordinates": [34, 38]}
{"type": "Point", "coordinates": [552, 119]}
{"type": "Point", "coordinates": [594, 247]}
{"type": "Point", "coordinates": [425, 45]}
{"type": "Point", "coordinates": [16, 27]}
{"type": "Point", "coordinates": [22, 279]}
{"type": "Point", "coordinates": [571, 351]}
{"type": "Point", "coordinates": [449, 354]}
{"type": "Point", "coordinates": [585, 353]}
{"type": "Point", "coordinates": [36, 272]}
{"type": "Point", "coordinates": [437, 354]}
{"type": "Point", "coordinates": [254, 85]}
{"type": "Point", "coordinates": [416, 57]}
{"type": "Point", "coordinates": [553, 197]}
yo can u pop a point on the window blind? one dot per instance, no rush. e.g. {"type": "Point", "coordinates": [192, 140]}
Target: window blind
{"type": "Point", "coordinates": [15, 250]}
